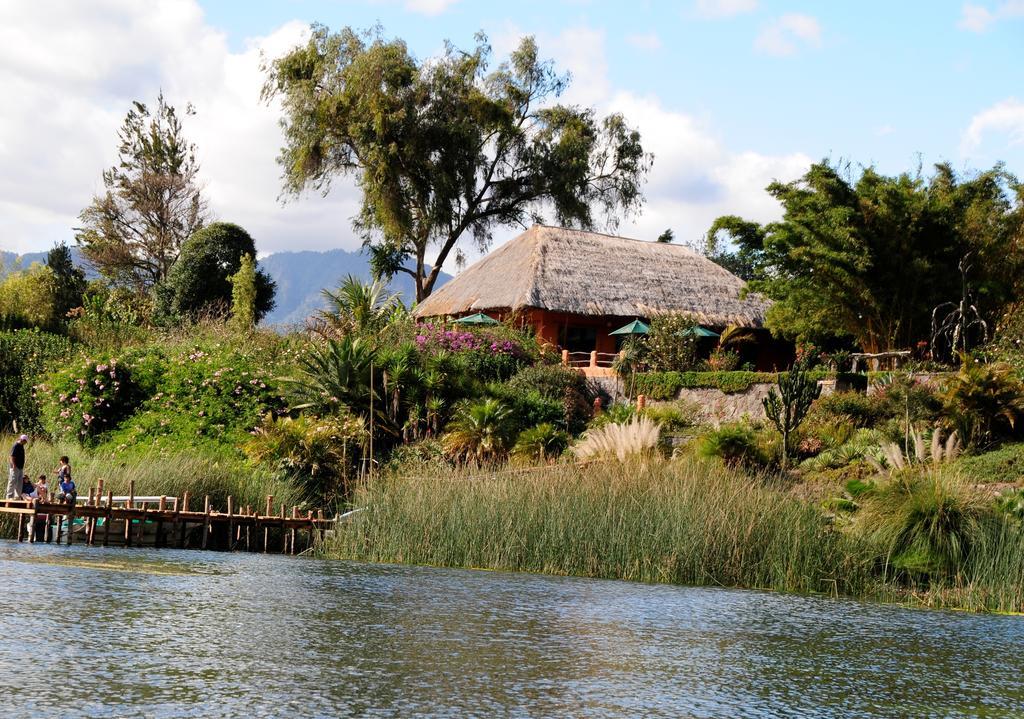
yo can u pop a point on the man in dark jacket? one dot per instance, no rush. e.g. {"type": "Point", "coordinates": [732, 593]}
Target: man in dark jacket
{"type": "Point", "coordinates": [17, 460]}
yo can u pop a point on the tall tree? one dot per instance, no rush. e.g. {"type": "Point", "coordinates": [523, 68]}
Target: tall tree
{"type": "Point", "coordinates": [244, 294]}
{"type": "Point", "coordinates": [870, 257]}
{"type": "Point", "coordinates": [152, 201]}
{"type": "Point", "coordinates": [443, 148]}
{"type": "Point", "coordinates": [68, 280]}
{"type": "Point", "coordinates": [200, 280]}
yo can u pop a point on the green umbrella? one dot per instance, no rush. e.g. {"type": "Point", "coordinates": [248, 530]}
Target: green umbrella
{"type": "Point", "coordinates": [636, 327]}
{"type": "Point", "coordinates": [478, 319]}
{"type": "Point", "coordinates": [698, 331]}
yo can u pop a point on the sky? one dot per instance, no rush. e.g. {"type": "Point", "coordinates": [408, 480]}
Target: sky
{"type": "Point", "coordinates": [727, 94]}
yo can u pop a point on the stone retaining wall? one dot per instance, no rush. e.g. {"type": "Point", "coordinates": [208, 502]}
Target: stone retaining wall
{"type": "Point", "coordinates": [715, 406]}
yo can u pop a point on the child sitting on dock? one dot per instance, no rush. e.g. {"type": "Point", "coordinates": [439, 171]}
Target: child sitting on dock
{"type": "Point", "coordinates": [42, 489]}
{"type": "Point", "coordinates": [28, 490]}
{"type": "Point", "coordinates": [68, 493]}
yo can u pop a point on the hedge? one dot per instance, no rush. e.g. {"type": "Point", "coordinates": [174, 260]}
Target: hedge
{"type": "Point", "coordinates": [666, 385]}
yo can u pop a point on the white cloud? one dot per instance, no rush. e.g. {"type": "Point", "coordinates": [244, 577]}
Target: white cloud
{"type": "Point", "coordinates": [884, 130]}
{"type": "Point", "coordinates": [978, 18]}
{"type": "Point", "coordinates": [695, 177]}
{"type": "Point", "coordinates": [69, 73]}
{"type": "Point", "coordinates": [786, 35]}
{"type": "Point", "coordinates": [723, 8]}
{"type": "Point", "coordinates": [1003, 118]}
{"type": "Point", "coordinates": [429, 7]}
{"type": "Point", "coordinates": [645, 41]}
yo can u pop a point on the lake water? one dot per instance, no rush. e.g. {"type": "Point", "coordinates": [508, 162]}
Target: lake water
{"type": "Point", "coordinates": [163, 633]}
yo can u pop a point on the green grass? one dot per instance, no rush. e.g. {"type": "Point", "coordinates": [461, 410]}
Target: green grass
{"type": "Point", "coordinates": [1005, 464]}
{"type": "Point", "coordinates": [685, 521]}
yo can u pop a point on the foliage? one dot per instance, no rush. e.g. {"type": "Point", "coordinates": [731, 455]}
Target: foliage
{"type": "Point", "coordinates": [151, 202]}
{"type": "Point", "coordinates": [559, 384]}
{"type": "Point", "coordinates": [787, 407]}
{"type": "Point", "coordinates": [896, 458]}
{"type": "Point", "coordinates": [443, 148]}
{"type": "Point", "coordinates": [541, 443]}
{"type": "Point", "coordinates": [722, 360]}
{"type": "Point", "coordinates": [926, 528]}
{"type": "Point", "coordinates": [480, 431]}
{"type": "Point", "coordinates": [357, 307]}
{"type": "Point", "coordinates": [320, 454]}
{"type": "Point", "coordinates": [619, 441]}
{"type": "Point", "coordinates": [666, 385]}
{"type": "Point", "coordinates": [336, 375]}
{"type": "Point", "coordinates": [669, 345]}
{"type": "Point", "coordinates": [28, 298]}
{"type": "Point", "coordinates": [108, 319]}
{"type": "Point", "coordinates": [488, 355]}
{"type": "Point", "coordinates": [618, 413]}
{"type": "Point", "coordinates": [24, 357]}
{"type": "Point", "coordinates": [870, 257]}
{"type": "Point", "coordinates": [984, 401]}
{"type": "Point", "coordinates": [83, 400]}
{"type": "Point", "coordinates": [735, 444]}
{"type": "Point", "coordinates": [672, 416]}
{"type": "Point", "coordinates": [199, 281]}
{"type": "Point", "coordinates": [244, 295]}
{"type": "Point", "coordinates": [1003, 464]}
{"type": "Point", "coordinates": [862, 409]}
{"type": "Point", "coordinates": [199, 393]}
{"type": "Point", "coordinates": [861, 444]}
{"type": "Point", "coordinates": [68, 281]}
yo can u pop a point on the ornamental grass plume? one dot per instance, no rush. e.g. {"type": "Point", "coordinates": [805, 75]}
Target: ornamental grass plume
{"type": "Point", "coordinates": [619, 440]}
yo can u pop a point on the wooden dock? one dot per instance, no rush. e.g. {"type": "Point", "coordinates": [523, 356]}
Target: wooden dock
{"type": "Point", "coordinates": [162, 521]}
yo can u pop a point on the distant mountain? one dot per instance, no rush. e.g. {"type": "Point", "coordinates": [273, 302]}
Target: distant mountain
{"type": "Point", "coordinates": [301, 276]}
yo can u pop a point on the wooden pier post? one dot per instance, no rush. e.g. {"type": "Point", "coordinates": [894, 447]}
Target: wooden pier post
{"type": "Point", "coordinates": [71, 524]}
{"type": "Point", "coordinates": [295, 515]}
{"type": "Point", "coordinates": [231, 525]}
{"type": "Point", "coordinates": [284, 534]}
{"type": "Point", "coordinates": [48, 529]}
{"type": "Point", "coordinates": [106, 517]}
{"type": "Point", "coordinates": [90, 522]}
{"type": "Point", "coordinates": [21, 526]}
{"type": "Point", "coordinates": [60, 526]}
{"type": "Point", "coordinates": [206, 521]}
{"type": "Point", "coordinates": [160, 520]}
{"type": "Point", "coordinates": [183, 524]}
{"type": "Point", "coordinates": [266, 529]}
{"type": "Point", "coordinates": [129, 504]}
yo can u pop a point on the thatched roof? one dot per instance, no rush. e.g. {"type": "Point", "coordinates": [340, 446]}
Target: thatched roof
{"type": "Point", "coordinates": [588, 273]}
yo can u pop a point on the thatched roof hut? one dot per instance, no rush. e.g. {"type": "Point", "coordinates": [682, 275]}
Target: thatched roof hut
{"type": "Point", "coordinates": [587, 273]}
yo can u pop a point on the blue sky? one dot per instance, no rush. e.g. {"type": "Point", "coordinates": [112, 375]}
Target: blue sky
{"type": "Point", "coordinates": [728, 94]}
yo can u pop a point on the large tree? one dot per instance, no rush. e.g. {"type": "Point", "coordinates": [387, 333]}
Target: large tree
{"type": "Point", "coordinates": [444, 148]}
{"type": "Point", "coordinates": [151, 204]}
{"type": "Point", "coordinates": [68, 280]}
{"type": "Point", "coordinates": [869, 256]}
{"type": "Point", "coordinates": [200, 280]}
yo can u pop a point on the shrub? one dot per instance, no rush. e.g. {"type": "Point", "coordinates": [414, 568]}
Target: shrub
{"type": "Point", "coordinates": [927, 527]}
{"type": "Point", "coordinates": [540, 444]}
{"type": "Point", "coordinates": [86, 399]}
{"type": "Point", "coordinates": [735, 444]}
{"type": "Point", "coordinates": [669, 345]}
{"type": "Point", "coordinates": [1005, 464]}
{"type": "Point", "coordinates": [557, 383]}
{"type": "Point", "coordinates": [619, 441]}
{"type": "Point", "coordinates": [673, 417]}
{"type": "Point", "coordinates": [984, 401]}
{"type": "Point", "coordinates": [666, 385]}
{"type": "Point", "coordinates": [489, 354]}
{"type": "Point", "coordinates": [480, 431]}
{"type": "Point", "coordinates": [862, 410]}
{"type": "Point", "coordinates": [787, 406]}
{"type": "Point", "coordinates": [24, 357]}
{"type": "Point", "coordinates": [619, 413]}
{"type": "Point", "coordinates": [319, 454]}
{"type": "Point", "coordinates": [722, 360]}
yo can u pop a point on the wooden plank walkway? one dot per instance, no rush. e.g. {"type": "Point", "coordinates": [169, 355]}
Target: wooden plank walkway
{"type": "Point", "coordinates": [162, 521]}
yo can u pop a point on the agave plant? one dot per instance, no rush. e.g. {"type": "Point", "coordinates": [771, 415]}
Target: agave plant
{"type": "Point", "coordinates": [480, 431]}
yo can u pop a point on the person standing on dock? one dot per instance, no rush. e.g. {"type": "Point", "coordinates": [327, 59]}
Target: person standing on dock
{"type": "Point", "coordinates": [17, 470]}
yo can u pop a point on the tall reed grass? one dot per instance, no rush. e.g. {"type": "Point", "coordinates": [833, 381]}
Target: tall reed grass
{"type": "Point", "coordinates": [684, 521]}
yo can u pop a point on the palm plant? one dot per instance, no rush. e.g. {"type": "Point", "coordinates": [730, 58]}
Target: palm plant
{"type": "Point", "coordinates": [541, 443]}
{"type": "Point", "coordinates": [357, 307]}
{"type": "Point", "coordinates": [335, 375]}
{"type": "Point", "coordinates": [480, 431]}
{"type": "Point", "coordinates": [984, 400]}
